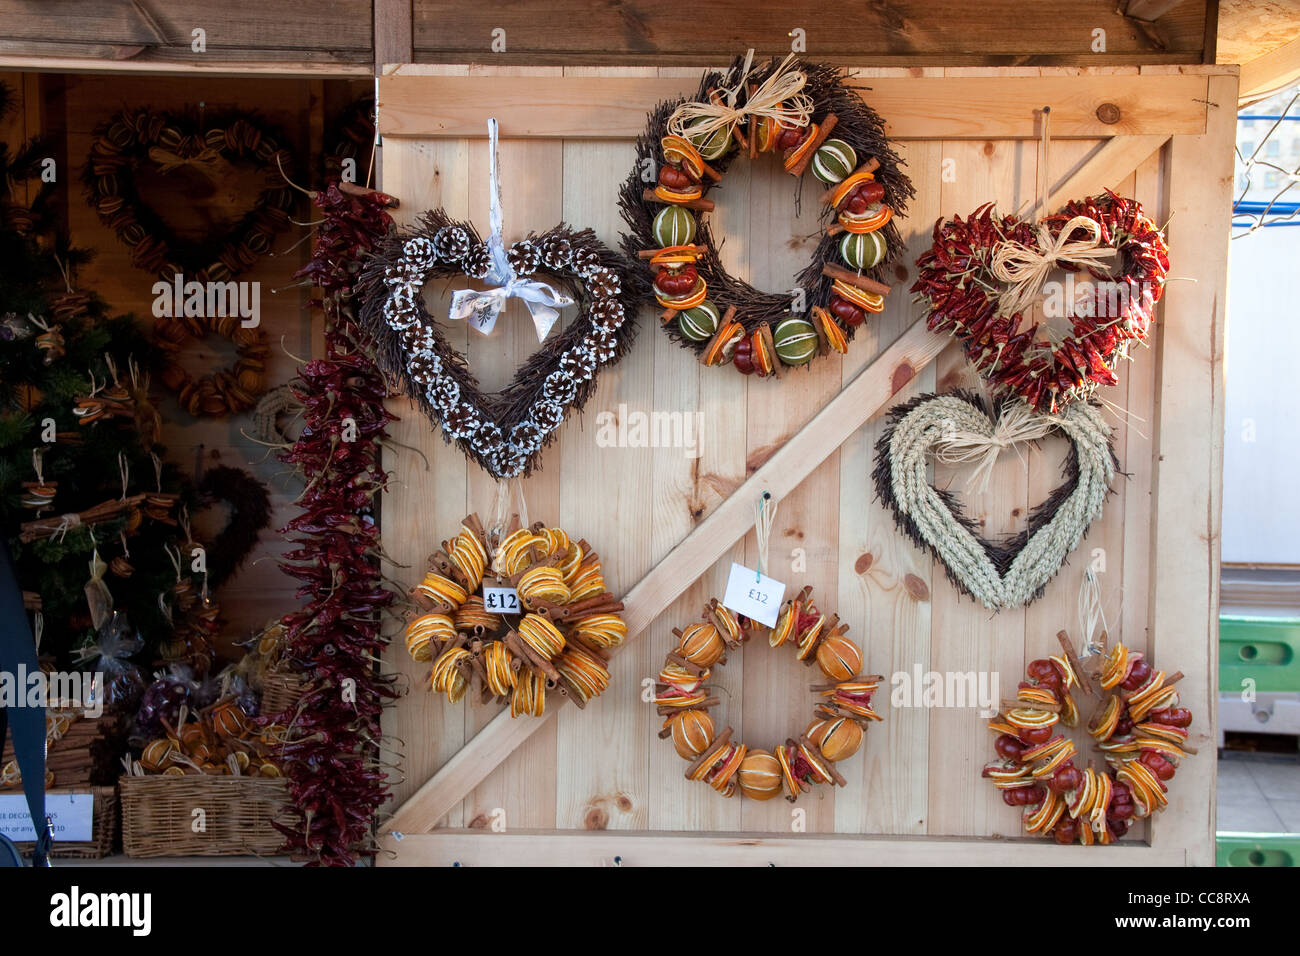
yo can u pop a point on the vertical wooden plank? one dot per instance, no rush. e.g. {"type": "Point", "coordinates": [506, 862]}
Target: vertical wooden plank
{"type": "Point", "coordinates": [608, 497]}
{"type": "Point", "coordinates": [885, 583]}
{"type": "Point", "coordinates": [686, 490]}
{"type": "Point", "coordinates": [1189, 442]}
{"type": "Point", "coordinates": [424, 175]}
{"type": "Point", "coordinates": [532, 183]}
{"type": "Point", "coordinates": [966, 637]}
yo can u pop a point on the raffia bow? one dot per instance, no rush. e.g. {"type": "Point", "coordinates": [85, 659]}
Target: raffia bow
{"type": "Point", "coordinates": [1024, 268]}
{"type": "Point", "coordinates": [780, 97]}
{"type": "Point", "coordinates": [1017, 424]}
{"type": "Point", "coordinates": [168, 160]}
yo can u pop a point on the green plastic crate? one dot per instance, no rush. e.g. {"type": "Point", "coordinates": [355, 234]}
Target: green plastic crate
{"type": "Point", "coordinates": [1266, 650]}
{"type": "Point", "coordinates": [1257, 849]}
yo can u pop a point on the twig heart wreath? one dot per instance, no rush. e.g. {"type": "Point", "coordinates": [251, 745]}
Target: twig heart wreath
{"type": "Point", "coordinates": [506, 431]}
{"type": "Point", "coordinates": [792, 107]}
{"type": "Point", "coordinates": [957, 428]}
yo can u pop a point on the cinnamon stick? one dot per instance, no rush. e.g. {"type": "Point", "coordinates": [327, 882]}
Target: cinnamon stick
{"type": "Point", "coordinates": [823, 134]}
{"type": "Point", "coordinates": [832, 271]}
{"type": "Point", "coordinates": [1064, 640]}
{"type": "Point", "coordinates": [667, 710]}
{"type": "Point", "coordinates": [827, 763]}
{"type": "Point", "coordinates": [1008, 704]}
{"type": "Point", "coordinates": [651, 253]}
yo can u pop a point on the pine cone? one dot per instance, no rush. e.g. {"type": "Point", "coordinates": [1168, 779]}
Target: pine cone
{"type": "Point", "coordinates": [608, 314]}
{"type": "Point", "coordinates": [451, 243]}
{"type": "Point", "coordinates": [418, 339]}
{"type": "Point", "coordinates": [424, 369]}
{"type": "Point", "coordinates": [557, 252]}
{"type": "Point", "coordinates": [579, 362]}
{"type": "Point", "coordinates": [526, 436]}
{"type": "Point", "coordinates": [604, 283]}
{"type": "Point", "coordinates": [444, 395]}
{"type": "Point", "coordinates": [419, 256]}
{"type": "Point", "coordinates": [525, 258]}
{"type": "Point", "coordinates": [477, 261]}
{"type": "Point", "coordinates": [560, 388]}
{"type": "Point", "coordinates": [461, 422]}
{"type": "Point", "coordinates": [603, 344]}
{"type": "Point", "coordinates": [548, 415]}
{"type": "Point", "coordinates": [585, 260]}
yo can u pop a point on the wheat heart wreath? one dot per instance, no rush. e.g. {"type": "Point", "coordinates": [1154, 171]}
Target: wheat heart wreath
{"type": "Point", "coordinates": [807, 113]}
{"type": "Point", "coordinates": [505, 431]}
{"type": "Point", "coordinates": [1010, 573]}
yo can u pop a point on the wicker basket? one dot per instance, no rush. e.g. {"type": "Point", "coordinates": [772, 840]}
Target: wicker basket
{"type": "Point", "coordinates": [280, 692]}
{"type": "Point", "coordinates": [103, 828]}
{"type": "Point", "coordinates": [158, 815]}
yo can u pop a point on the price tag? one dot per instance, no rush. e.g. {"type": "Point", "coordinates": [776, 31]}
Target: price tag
{"type": "Point", "coordinates": [72, 816]}
{"type": "Point", "coordinates": [501, 600]}
{"type": "Point", "coordinates": [754, 595]}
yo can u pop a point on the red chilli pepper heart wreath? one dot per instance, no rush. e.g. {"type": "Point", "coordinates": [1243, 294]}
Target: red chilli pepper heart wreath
{"type": "Point", "coordinates": [726, 765]}
{"type": "Point", "coordinates": [504, 432]}
{"type": "Point", "coordinates": [965, 277]}
{"type": "Point", "coordinates": [806, 112]}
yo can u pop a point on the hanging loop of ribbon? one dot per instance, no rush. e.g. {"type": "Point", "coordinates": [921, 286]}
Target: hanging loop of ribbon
{"type": "Point", "coordinates": [481, 309]}
{"type": "Point", "coordinates": [779, 97]}
{"type": "Point", "coordinates": [1024, 269]}
{"type": "Point", "coordinates": [764, 518]}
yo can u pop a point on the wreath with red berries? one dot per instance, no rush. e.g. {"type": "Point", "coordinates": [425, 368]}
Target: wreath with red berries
{"type": "Point", "coordinates": [816, 121]}
{"type": "Point", "coordinates": [839, 717]}
{"type": "Point", "coordinates": [957, 282]}
{"type": "Point", "coordinates": [1138, 727]}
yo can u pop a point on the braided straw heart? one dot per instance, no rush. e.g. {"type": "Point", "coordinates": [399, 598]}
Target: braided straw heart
{"type": "Point", "coordinates": [1009, 574]}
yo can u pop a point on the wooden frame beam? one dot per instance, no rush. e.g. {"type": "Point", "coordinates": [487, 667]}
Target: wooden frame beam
{"type": "Point", "coordinates": [664, 848]}
{"type": "Point", "coordinates": [1269, 73]}
{"type": "Point", "coordinates": [414, 103]}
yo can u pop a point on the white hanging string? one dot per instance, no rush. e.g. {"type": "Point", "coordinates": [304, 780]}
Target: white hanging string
{"type": "Point", "coordinates": [764, 518]}
{"type": "Point", "coordinates": [1092, 615]}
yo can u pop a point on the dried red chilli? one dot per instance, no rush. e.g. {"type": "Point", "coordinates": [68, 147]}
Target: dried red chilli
{"type": "Point", "coordinates": [955, 279]}
{"type": "Point", "coordinates": [330, 752]}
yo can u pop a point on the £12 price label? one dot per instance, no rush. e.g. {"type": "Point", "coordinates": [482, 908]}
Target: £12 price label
{"type": "Point", "coordinates": [754, 595]}
{"type": "Point", "coordinates": [501, 600]}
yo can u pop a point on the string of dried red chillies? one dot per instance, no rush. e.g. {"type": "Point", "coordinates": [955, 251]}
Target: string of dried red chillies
{"type": "Point", "coordinates": [331, 754]}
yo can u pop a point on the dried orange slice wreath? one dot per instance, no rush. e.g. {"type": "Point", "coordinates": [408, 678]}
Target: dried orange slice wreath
{"type": "Point", "coordinates": [1138, 727]}
{"type": "Point", "coordinates": [556, 639]}
{"type": "Point", "coordinates": [839, 717]}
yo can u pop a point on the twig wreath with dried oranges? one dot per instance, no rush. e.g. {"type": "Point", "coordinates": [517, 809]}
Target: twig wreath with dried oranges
{"type": "Point", "coordinates": [815, 120]}
{"type": "Point", "coordinates": [543, 621]}
{"type": "Point", "coordinates": [728, 766]}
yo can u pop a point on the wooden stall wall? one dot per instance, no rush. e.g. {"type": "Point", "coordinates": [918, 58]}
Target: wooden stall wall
{"type": "Point", "coordinates": [67, 109]}
{"type": "Point", "coordinates": [918, 773]}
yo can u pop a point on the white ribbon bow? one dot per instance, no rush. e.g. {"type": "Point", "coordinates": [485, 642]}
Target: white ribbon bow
{"type": "Point", "coordinates": [482, 308]}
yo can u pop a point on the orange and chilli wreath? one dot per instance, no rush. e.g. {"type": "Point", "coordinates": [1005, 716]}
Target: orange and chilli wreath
{"type": "Point", "coordinates": [1137, 728]}
{"type": "Point", "coordinates": [841, 710]}
{"type": "Point", "coordinates": [814, 122]}
{"type": "Point", "coordinates": [553, 635]}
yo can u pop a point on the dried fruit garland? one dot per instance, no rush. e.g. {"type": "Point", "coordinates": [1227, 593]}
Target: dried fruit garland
{"type": "Point", "coordinates": [331, 754]}
{"type": "Point", "coordinates": [558, 637]}
{"type": "Point", "coordinates": [792, 107]}
{"type": "Point", "coordinates": [957, 282]}
{"type": "Point", "coordinates": [795, 766]}
{"type": "Point", "coordinates": [1139, 728]}
{"type": "Point", "coordinates": [504, 431]}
